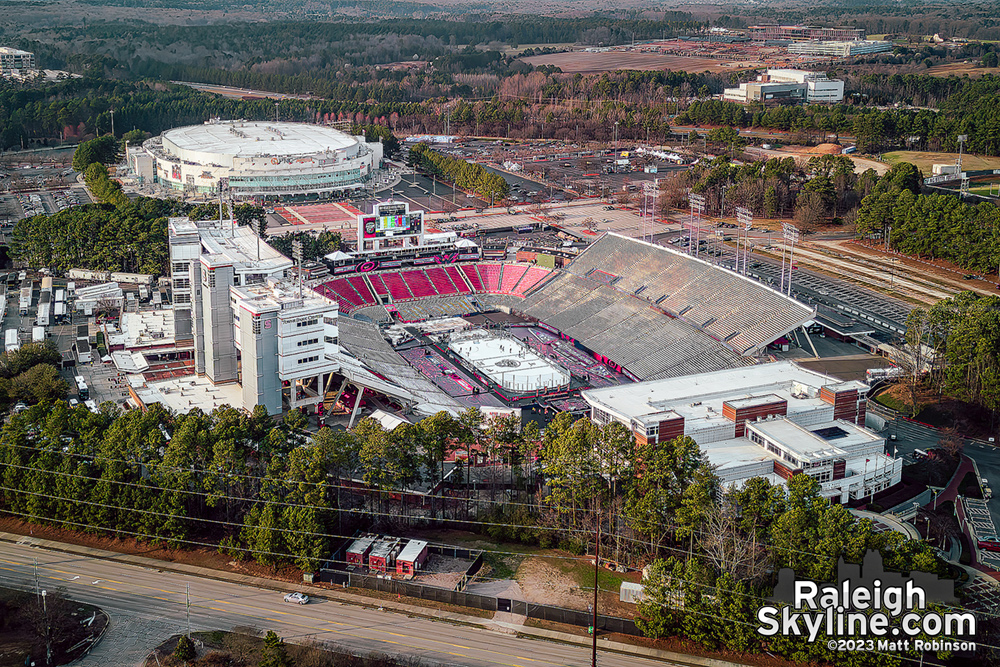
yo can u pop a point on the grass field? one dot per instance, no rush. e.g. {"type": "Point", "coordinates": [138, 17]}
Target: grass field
{"type": "Point", "coordinates": [606, 61]}
{"type": "Point", "coordinates": [971, 69]}
{"type": "Point", "coordinates": [925, 160]}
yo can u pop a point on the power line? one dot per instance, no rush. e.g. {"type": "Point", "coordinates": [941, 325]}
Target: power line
{"type": "Point", "coordinates": [281, 482]}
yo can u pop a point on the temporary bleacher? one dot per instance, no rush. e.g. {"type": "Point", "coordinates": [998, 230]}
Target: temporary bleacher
{"type": "Point", "coordinates": [490, 274]}
{"type": "Point", "coordinates": [532, 277]}
{"type": "Point", "coordinates": [359, 285]}
{"type": "Point", "coordinates": [346, 296]}
{"type": "Point", "coordinates": [397, 286]}
{"type": "Point", "coordinates": [378, 284]}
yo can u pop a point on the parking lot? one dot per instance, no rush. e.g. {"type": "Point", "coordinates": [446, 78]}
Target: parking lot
{"type": "Point", "coordinates": [102, 379]}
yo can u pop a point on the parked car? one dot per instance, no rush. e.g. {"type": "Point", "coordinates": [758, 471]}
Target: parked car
{"type": "Point", "coordinates": [989, 543]}
{"type": "Point", "coordinates": [297, 598]}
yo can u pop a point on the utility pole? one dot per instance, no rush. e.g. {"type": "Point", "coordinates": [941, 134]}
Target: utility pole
{"type": "Point", "coordinates": [113, 125]}
{"type": "Point", "coordinates": [48, 631]}
{"type": "Point", "coordinates": [597, 561]}
{"type": "Point", "coordinates": [187, 606]}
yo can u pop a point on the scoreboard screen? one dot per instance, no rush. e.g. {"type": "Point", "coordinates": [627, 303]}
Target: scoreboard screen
{"type": "Point", "coordinates": [391, 220]}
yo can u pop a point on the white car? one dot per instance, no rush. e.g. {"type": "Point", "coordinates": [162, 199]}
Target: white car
{"type": "Point", "coordinates": [297, 598]}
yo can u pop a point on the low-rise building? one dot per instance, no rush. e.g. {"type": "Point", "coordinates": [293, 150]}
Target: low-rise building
{"type": "Point", "coordinates": [788, 85]}
{"type": "Point", "coordinates": [15, 62]}
{"type": "Point", "coordinates": [857, 47]}
{"type": "Point", "coordinates": [771, 420]}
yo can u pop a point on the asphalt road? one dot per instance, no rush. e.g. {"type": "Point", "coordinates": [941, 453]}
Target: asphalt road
{"type": "Point", "coordinates": [146, 606]}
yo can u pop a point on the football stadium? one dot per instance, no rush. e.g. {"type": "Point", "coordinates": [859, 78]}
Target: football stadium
{"type": "Point", "coordinates": [257, 159]}
{"type": "Point", "coordinates": [453, 331]}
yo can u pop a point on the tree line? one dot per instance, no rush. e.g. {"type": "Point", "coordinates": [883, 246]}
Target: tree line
{"type": "Point", "coordinates": [935, 226]}
{"type": "Point", "coordinates": [466, 175]}
{"type": "Point", "coordinates": [268, 491]}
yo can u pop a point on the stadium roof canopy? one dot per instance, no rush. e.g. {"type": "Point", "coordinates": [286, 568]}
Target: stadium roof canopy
{"type": "Point", "coordinates": [258, 138]}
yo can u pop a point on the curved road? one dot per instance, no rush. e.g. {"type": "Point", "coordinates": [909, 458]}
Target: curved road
{"type": "Point", "coordinates": [147, 606]}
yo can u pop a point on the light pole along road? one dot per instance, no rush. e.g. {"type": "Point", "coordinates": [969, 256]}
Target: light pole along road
{"type": "Point", "coordinates": [146, 606]}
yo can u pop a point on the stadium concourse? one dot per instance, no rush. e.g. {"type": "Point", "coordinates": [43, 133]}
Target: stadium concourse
{"type": "Point", "coordinates": [623, 310]}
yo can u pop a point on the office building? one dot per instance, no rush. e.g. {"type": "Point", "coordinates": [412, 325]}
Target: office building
{"type": "Point", "coordinates": [760, 33]}
{"type": "Point", "coordinates": [772, 420]}
{"type": "Point", "coordinates": [788, 85]}
{"type": "Point", "coordinates": [839, 49]}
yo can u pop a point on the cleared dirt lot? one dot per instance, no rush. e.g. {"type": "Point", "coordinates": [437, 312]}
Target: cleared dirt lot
{"type": "Point", "coordinates": [583, 61]}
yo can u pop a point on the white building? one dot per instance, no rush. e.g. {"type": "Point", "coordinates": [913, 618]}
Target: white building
{"type": "Point", "coordinates": [256, 159]}
{"type": "Point", "coordinates": [15, 62]}
{"type": "Point", "coordinates": [244, 322]}
{"type": "Point", "coordinates": [790, 85]}
{"type": "Point", "coordinates": [840, 49]}
{"type": "Point", "coordinates": [282, 336]}
{"type": "Point", "coordinates": [771, 420]}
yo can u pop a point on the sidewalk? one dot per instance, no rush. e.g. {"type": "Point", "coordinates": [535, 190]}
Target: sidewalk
{"type": "Point", "coordinates": [681, 659]}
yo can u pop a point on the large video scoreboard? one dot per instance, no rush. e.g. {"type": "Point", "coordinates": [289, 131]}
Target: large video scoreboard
{"type": "Point", "coordinates": [390, 219]}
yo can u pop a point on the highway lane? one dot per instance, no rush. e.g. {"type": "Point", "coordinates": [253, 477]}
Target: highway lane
{"type": "Point", "coordinates": [148, 605]}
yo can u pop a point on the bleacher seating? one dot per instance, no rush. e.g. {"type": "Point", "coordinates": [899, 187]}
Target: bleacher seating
{"type": "Point", "coordinates": [442, 283]}
{"type": "Point", "coordinates": [472, 275]}
{"type": "Point", "coordinates": [378, 284]}
{"type": "Point", "coordinates": [345, 295]}
{"type": "Point", "coordinates": [358, 283]}
{"type": "Point", "coordinates": [490, 275]}
{"type": "Point", "coordinates": [512, 273]}
{"type": "Point", "coordinates": [419, 284]}
{"type": "Point", "coordinates": [437, 281]}
{"type": "Point", "coordinates": [532, 277]}
{"type": "Point", "coordinates": [397, 286]}
{"type": "Point", "coordinates": [732, 308]}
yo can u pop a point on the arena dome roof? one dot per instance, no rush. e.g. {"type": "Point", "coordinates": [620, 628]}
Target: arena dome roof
{"type": "Point", "coordinates": [253, 138]}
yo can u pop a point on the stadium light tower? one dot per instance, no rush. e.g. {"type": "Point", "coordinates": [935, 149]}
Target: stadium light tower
{"type": "Point", "coordinates": [962, 138]}
{"type": "Point", "coordinates": [696, 203]}
{"type": "Point", "coordinates": [745, 218]}
{"type": "Point", "coordinates": [791, 235]}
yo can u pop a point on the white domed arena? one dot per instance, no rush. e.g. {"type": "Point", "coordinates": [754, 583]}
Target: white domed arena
{"type": "Point", "coordinates": [257, 159]}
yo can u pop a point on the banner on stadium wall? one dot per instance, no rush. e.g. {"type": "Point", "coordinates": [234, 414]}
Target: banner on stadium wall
{"type": "Point", "coordinates": [368, 266]}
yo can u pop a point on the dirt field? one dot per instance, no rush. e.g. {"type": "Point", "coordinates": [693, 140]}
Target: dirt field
{"type": "Point", "coordinates": [925, 160]}
{"type": "Point", "coordinates": [961, 69]}
{"type": "Point", "coordinates": [582, 61]}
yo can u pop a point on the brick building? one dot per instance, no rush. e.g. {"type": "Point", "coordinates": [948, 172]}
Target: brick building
{"type": "Point", "coordinates": [770, 420]}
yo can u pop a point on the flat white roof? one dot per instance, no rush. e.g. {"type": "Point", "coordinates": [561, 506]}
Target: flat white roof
{"type": "Point", "coordinates": [700, 397]}
{"type": "Point", "coordinates": [181, 395]}
{"type": "Point", "coordinates": [411, 551]}
{"type": "Point", "coordinates": [259, 138]}
{"type": "Point", "coordinates": [283, 296]}
{"type": "Point", "coordinates": [147, 327]}
{"type": "Point", "coordinates": [240, 246]}
{"type": "Point", "coordinates": [816, 441]}
{"type": "Point", "coordinates": [735, 453]}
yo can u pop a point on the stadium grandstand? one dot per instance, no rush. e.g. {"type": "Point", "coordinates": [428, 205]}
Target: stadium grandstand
{"type": "Point", "coordinates": [398, 287]}
{"type": "Point", "coordinates": [744, 314]}
{"type": "Point", "coordinates": [650, 312]}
